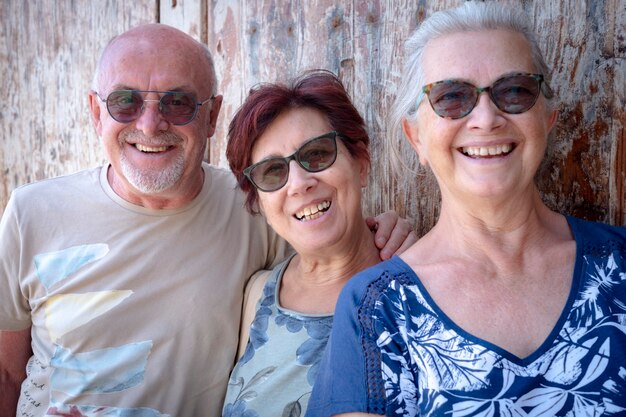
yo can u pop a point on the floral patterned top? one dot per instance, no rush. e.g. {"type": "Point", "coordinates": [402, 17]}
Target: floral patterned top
{"type": "Point", "coordinates": [400, 355]}
{"type": "Point", "coordinates": [275, 375]}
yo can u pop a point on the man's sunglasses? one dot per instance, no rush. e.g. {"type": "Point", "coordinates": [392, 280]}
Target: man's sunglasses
{"type": "Point", "coordinates": [314, 155]}
{"type": "Point", "coordinates": [513, 94]}
{"type": "Point", "coordinates": [176, 107]}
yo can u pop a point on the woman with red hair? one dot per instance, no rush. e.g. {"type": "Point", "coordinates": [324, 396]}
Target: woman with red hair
{"type": "Point", "coordinates": [300, 152]}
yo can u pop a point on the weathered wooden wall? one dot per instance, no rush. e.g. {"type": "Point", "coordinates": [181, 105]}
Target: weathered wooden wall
{"type": "Point", "coordinates": [49, 52]}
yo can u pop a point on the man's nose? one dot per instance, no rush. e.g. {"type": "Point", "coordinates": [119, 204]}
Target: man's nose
{"type": "Point", "coordinates": [151, 120]}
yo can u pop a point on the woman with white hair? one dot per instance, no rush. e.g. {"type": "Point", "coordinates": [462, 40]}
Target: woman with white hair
{"type": "Point", "coordinates": [505, 307]}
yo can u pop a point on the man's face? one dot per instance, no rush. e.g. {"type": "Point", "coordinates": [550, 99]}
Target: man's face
{"type": "Point", "coordinates": [151, 157]}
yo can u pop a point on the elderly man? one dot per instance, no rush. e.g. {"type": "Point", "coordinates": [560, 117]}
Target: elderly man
{"type": "Point", "coordinates": [126, 280]}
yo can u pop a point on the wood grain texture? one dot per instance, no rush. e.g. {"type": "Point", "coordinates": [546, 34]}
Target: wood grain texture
{"type": "Point", "coordinates": [584, 173]}
{"type": "Point", "coordinates": [583, 42]}
{"type": "Point", "coordinates": [48, 55]}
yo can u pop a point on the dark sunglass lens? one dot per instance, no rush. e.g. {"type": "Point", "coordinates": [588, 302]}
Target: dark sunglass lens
{"type": "Point", "coordinates": [515, 94]}
{"type": "Point", "coordinates": [318, 154]}
{"type": "Point", "coordinates": [124, 105]}
{"type": "Point", "coordinates": [178, 108]}
{"type": "Point", "coordinates": [178, 105]}
{"type": "Point", "coordinates": [270, 175]}
{"type": "Point", "coordinates": [453, 99]}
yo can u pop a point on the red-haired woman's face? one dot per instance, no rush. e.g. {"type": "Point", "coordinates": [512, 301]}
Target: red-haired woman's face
{"type": "Point", "coordinates": [313, 211]}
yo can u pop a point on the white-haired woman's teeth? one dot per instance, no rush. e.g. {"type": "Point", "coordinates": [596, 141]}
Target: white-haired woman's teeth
{"type": "Point", "coordinates": [487, 150]}
{"type": "Point", "coordinates": [313, 212]}
{"type": "Point", "coordinates": [144, 148]}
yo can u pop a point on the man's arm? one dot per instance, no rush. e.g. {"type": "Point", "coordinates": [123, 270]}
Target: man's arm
{"type": "Point", "coordinates": [15, 350]}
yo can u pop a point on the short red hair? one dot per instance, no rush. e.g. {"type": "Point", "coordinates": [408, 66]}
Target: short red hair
{"type": "Point", "coordinates": [317, 89]}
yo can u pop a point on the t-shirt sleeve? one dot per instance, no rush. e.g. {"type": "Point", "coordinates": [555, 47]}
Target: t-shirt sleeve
{"type": "Point", "coordinates": [14, 308]}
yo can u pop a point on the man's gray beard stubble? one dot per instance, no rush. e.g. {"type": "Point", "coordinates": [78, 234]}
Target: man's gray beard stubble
{"type": "Point", "coordinates": [153, 181]}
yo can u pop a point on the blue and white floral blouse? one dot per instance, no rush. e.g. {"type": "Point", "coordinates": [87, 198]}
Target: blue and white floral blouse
{"type": "Point", "coordinates": [393, 352]}
{"type": "Point", "coordinates": [275, 375]}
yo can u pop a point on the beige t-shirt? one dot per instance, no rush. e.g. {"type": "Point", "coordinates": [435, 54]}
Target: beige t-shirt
{"type": "Point", "coordinates": [134, 312]}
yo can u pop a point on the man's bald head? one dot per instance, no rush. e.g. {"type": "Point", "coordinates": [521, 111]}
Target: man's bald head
{"type": "Point", "coordinates": [157, 40]}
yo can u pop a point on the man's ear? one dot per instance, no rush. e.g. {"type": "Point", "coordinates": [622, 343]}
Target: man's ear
{"type": "Point", "coordinates": [411, 132]}
{"type": "Point", "coordinates": [95, 110]}
{"type": "Point", "coordinates": [216, 105]}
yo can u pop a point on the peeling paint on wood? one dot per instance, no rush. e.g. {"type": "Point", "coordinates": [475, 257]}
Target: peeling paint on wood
{"type": "Point", "coordinates": [361, 41]}
{"type": "Point", "coordinates": [46, 64]}
{"type": "Point", "coordinates": [50, 55]}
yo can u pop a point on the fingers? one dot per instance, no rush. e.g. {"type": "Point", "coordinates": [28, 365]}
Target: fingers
{"type": "Point", "coordinates": [393, 235]}
{"type": "Point", "coordinates": [409, 240]}
{"type": "Point", "coordinates": [371, 223]}
{"type": "Point", "coordinates": [401, 238]}
{"type": "Point", "coordinates": [382, 226]}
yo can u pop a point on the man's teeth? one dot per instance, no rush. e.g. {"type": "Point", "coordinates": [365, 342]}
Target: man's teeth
{"type": "Point", "coordinates": [313, 212]}
{"type": "Point", "coordinates": [487, 150]}
{"type": "Point", "coordinates": [144, 148]}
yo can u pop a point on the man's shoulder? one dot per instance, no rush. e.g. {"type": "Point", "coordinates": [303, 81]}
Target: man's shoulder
{"type": "Point", "coordinates": [62, 183]}
{"type": "Point", "coordinates": [219, 176]}
{"type": "Point", "coordinates": [222, 194]}
{"type": "Point", "coordinates": [54, 196]}
{"type": "Point", "coordinates": [221, 188]}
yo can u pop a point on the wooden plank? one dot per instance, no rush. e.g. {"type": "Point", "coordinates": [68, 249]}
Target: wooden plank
{"type": "Point", "coordinates": [186, 15]}
{"type": "Point", "coordinates": [584, 152]}
{"type": "Point", "coordinates": [614, 48]}
{"type": "Point", "coordinates": [362, 41]}
{"type": "Point", "coordinates": [51, 48]}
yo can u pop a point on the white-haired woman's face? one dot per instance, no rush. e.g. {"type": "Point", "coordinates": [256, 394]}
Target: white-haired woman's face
{"type": "Point", "coordinates": [487, 153]}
